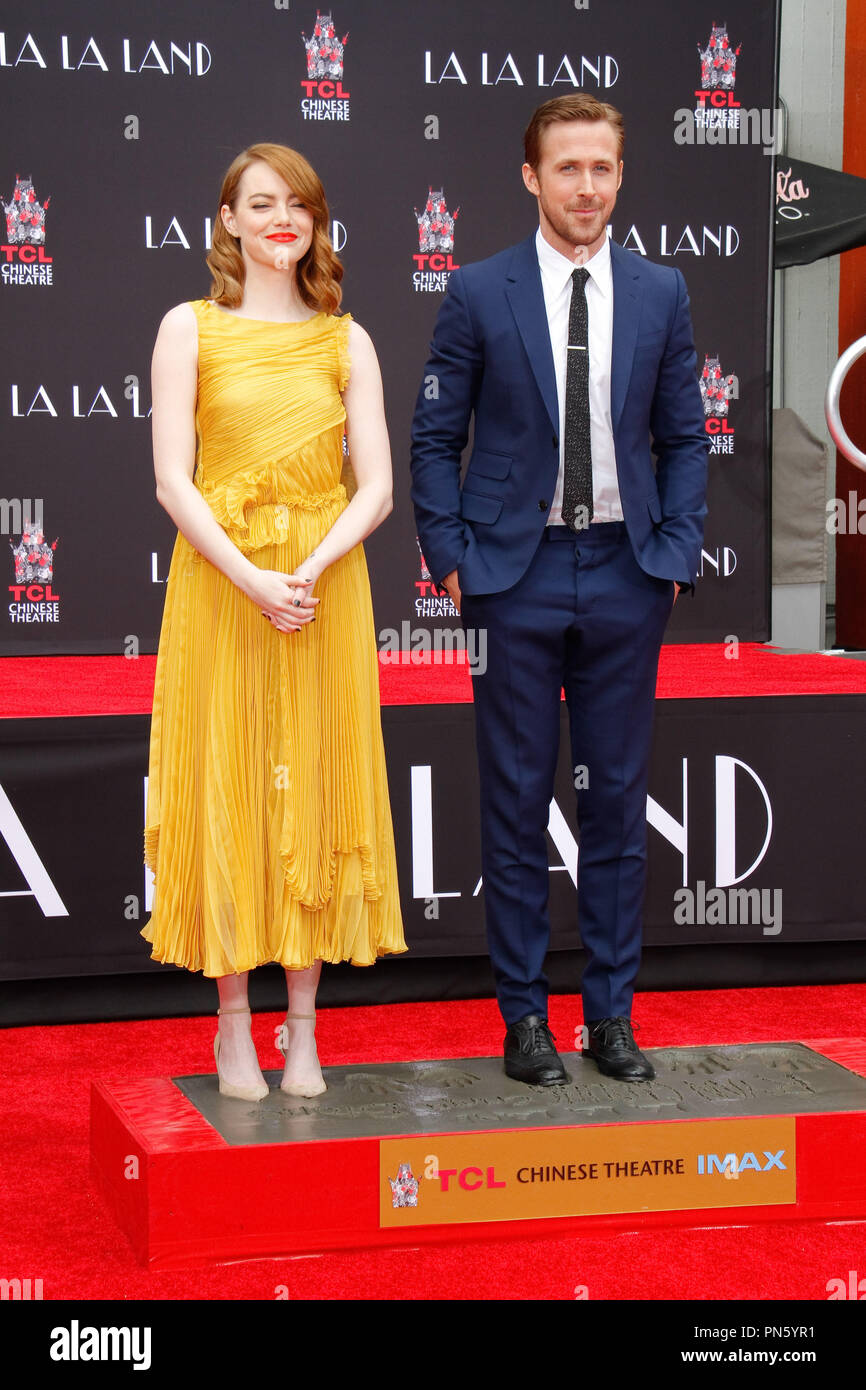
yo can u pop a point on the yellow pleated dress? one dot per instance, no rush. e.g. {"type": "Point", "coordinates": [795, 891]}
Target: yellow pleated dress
{"type": "Point", "coordinates": [268, 826]}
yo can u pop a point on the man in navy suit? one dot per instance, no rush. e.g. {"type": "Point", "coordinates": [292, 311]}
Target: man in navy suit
{"type": "Point", "coordinates": [567, 545]}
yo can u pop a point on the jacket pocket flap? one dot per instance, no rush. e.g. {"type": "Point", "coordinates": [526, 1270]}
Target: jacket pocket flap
{"type": "Point", "coordinates": [475, 507]}
{"type": "Point", "coordinates": [489, 465]}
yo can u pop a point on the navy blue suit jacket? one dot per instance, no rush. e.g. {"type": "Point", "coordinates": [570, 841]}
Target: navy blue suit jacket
{"type": "Point", "coordinates": [491, 355]}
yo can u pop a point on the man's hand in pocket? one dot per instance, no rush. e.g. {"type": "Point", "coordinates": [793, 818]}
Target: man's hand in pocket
{"type": "Point", "coordinates": [451, 583]}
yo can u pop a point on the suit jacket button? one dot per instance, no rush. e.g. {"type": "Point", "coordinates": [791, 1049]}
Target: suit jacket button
{"type": "Point", "coordinates": [542, 505]}
{"type": "Point", "coordinates": [555, 442]}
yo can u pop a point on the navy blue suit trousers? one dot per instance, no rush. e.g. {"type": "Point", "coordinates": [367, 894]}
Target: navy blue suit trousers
{"type": "Point", "coordinates": [587, 619]}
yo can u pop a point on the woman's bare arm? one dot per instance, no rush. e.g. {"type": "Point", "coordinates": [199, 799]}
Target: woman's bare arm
{"type": "Point", "coordinates": [370, 455]}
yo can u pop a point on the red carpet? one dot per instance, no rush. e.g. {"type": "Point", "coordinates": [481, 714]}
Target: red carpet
{"type": "Point", "coordinates": [38, 687]}
{"type": "Point", "coordinates": [55, 1227]}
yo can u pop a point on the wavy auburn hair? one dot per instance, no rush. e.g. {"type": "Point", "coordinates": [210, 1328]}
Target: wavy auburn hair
{"type": "Point", "coordinates": [319, 271]}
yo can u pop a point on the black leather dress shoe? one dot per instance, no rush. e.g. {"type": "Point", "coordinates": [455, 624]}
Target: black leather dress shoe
{"type": "Point", "coordinates": [530, 1054]}
{"type": "Point", "coordinates": [612, 1047]}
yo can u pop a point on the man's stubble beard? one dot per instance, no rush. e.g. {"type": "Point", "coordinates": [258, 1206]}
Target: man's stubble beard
{"type": "Point", "coordinates": [575, 234]}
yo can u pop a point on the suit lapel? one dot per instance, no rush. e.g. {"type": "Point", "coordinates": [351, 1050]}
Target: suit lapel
{"type": "Point", "coordinates": [526, 297]}
{"type": "Point", "coordinates": [626, 314]}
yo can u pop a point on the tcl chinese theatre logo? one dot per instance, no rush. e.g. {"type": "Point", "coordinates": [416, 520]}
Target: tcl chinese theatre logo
{"type": "Point", "coordinates": [32, 596]}
{"type": "Point", "coordinates": [717, 392]}
{"type": "Point", "coordinates": [24, 260]}
{"type": "Point", "coordinates": [325, 98]}
{"type": "Point", "coordinates": [716, 104]}
{"type": "Point", "coordinates": [429, 604]}
{"type": "Point", "coordinates": [434, 259]}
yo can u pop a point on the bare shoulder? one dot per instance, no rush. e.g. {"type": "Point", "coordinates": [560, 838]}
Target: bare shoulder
{"type": "Point", "coordinates": [179, 324]}
{"type": "Point", "coordinates": [176, 346]}
{"type": "Point", "coordinates": [362, 355]}
{"type": "Point", "coordinates": [360, 340]}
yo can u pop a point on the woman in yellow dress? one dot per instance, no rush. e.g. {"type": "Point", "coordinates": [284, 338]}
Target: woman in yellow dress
{"type": "Point", "coordinates": [268, 825]}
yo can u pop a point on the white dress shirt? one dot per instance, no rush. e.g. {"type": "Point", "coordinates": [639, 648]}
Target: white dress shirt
{"type": "Point", "coordinates": [556, 282]}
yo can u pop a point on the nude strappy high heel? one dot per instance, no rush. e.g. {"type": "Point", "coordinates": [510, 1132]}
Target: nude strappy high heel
{"type": "Point", "coordinates": [226, 1087]}
{"type": "Point", "coordinates": [299, 1088]}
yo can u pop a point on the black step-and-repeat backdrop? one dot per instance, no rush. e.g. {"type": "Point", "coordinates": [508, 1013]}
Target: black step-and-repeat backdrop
{"type": "Point", "coordinates": [119, 122]}
{"type": "Point", "coordinates": [728, 822]}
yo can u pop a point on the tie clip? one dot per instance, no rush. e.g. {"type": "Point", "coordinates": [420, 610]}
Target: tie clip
{"type": "Point", "coordinates": [577, 347]}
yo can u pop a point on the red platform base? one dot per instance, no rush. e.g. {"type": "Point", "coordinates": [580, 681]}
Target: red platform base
{"type": "Point", "coordinates": [184, 1195]}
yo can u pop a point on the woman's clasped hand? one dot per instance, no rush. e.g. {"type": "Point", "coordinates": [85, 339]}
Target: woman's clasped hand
{"type": "Point", "coordinates": [285, 599]}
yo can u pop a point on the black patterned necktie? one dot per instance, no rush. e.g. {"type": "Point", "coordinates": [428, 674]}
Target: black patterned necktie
{"type": "Point", "coordinates": [577, 482]}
